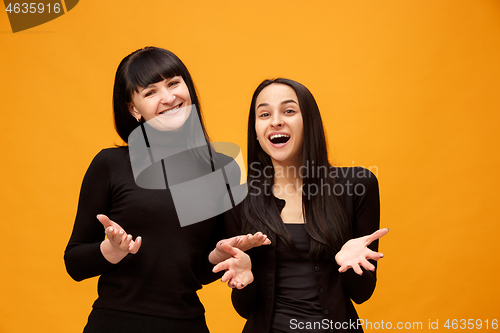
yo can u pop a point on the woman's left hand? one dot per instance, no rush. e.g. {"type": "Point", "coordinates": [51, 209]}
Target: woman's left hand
{"type": "Point", "coordinates": [355, 253]}
{"type": "Point", "coordinates": [238, 267]}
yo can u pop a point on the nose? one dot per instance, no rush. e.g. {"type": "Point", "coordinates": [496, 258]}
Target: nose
{"type": "Point", "coordinates": [167, 97]}
{"type": "Point", "coordinates": [277, 121]}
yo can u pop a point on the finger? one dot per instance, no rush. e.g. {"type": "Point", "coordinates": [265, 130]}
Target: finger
{"type": "Point", "coordinates": [233, 251]}
{"type": "Point", "coordinates": [344, 267]}
{"type": "Point", "coordinates": [238, 278]}
{"type": "Point", "coordinates": [113, 236]}
{"type": "Point", "coordinates": [267, 241]}
{"type": "Point", "coordinates": [254, 240]}
{"type": "Point", "coordinates": [258, 234]}
{"type": "Point", "coordinates": [367, 265]}
{"type": "Point", "coordinates": [222, 266]}
{"type": "Point", "coordinates": [105, 221]}
{"type": "Point", "coordinates": [241, 243]}
{"type": "Point", "coordinates": [376, 235]}
{"type": "Point", "coordinates": [231, 241]}
{"type": "Point", "coordinates": [227, 276]}
{"type": "Point", "coordinates": [235, 284]}
{"type": "Point", "coordinates": [258, 239]}
{"type": "Point", "coordinates": [124, 245]}
{"type": "Point", "coordinates": [357, 269]}
{"type": "Point", "coordinates": [135, 246]}
{"type": "Point", "coordinates": [240, 286]}
{"type": "Point", "coordinates": [109, 231]}
{"type": "Point", "coordinates": [244, 242]}
{"type": "Point", "coordinates": [121, 235]}
{"type": "Point", "coordinates": [374, 255]}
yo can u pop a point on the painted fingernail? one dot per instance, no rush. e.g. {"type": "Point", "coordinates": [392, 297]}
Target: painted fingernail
{"type": "Point", "coordinates": [242, 284]}
{"type": "Point", "coordinates": [129, 237]}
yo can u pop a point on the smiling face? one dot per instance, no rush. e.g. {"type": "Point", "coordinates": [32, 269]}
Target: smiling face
{"type": "Point", "coordinates": [167, 102]}
{"type": "Point", "coordinates": [279, 125]}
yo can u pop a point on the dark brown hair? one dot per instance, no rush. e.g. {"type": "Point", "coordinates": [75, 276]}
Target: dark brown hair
{"type": "Point", "coordinates": [140, 69]}
{"type": "Point", "coordinates": [324, 215]}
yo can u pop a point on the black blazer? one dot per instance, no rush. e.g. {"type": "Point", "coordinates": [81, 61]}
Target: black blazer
{"type": "Point", "coordinates": [336, 290]}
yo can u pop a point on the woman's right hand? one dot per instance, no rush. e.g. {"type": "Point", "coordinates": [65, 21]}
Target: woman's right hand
{"type": "Point", "coordinates": [118, 243]}
{"type": "Point", "coordinates": [247, 242]}
{"type": "Point", "coordinates": [242, 242]}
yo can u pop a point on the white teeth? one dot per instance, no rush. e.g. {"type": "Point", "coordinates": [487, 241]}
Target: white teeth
{"type": "Point", "coordinates": [171, 110]}
{"type": "Point", "coordinates": [274, 136]}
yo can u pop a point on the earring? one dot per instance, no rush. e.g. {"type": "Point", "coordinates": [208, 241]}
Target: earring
{"type": "Point", "coordinates": [139, 120]}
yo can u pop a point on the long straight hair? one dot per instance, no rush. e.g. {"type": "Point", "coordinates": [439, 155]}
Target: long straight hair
{"type": "Point", "coordinates": [325, 218]}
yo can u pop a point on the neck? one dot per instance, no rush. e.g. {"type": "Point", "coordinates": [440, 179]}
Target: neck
{"type": "Point", "coordinates": [287, 173]}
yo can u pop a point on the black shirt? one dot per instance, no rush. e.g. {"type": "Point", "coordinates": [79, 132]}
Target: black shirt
{"type": "Point", "coordinates": [172, 263]}
{"type": "Point", "coordinates": [296, 292]}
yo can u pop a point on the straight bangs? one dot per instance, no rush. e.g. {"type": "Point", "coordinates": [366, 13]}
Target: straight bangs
{"type": "Point", "coordinates": [140, 69]}
{"type": "Point", "coordinates": [151, 67]}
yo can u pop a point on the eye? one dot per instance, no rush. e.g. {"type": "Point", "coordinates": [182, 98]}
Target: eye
{"type": "Point", "coordinates": [174, 83]}
{"type": "Point", "coordinates": [289, 111]}
{"type": "Point", "coordinates": [263, 115]}
{"type": "Point", "coordinates": [149, 93]}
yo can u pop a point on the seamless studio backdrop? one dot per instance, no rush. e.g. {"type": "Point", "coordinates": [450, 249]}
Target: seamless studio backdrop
{"type": "Point", "coordinates": [408, 89]}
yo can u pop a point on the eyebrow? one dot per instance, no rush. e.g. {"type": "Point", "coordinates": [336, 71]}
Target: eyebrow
{"type": "Point", "coordinates": [152, 85]}
{"type": "Point", "coordinates": [284, 102]}
{"type": "Point", "coordinates": [289, 101]}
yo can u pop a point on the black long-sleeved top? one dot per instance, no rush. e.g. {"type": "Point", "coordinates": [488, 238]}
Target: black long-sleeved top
{"type": "Point", "coordinates": [172, 263]}
{"type": "Point", "coordinates": [336, 290]}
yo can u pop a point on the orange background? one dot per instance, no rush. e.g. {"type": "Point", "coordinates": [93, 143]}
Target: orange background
{"type": "Point", "coordinates": [408, 88]}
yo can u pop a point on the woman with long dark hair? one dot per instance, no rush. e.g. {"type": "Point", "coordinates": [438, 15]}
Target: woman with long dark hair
{"type": "Point", "coordinates": [322, 220]}
{"type": "Point", "coordinates": [149, 284]}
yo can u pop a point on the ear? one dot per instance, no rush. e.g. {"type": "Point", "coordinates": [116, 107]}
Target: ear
{"type": "Point", "coordinates": [133, 111]}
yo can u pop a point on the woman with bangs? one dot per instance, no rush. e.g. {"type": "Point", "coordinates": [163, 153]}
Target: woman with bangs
{"type": "Point", "coordinates": [149, 284]}
{"type": "Point", "coordinates": [322, 220]}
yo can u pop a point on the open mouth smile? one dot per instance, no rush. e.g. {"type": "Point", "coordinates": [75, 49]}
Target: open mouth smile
{"type": "Point", "coordinates": [172, 110]}
{"type": "Point", "coordinates": [279, 139]}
